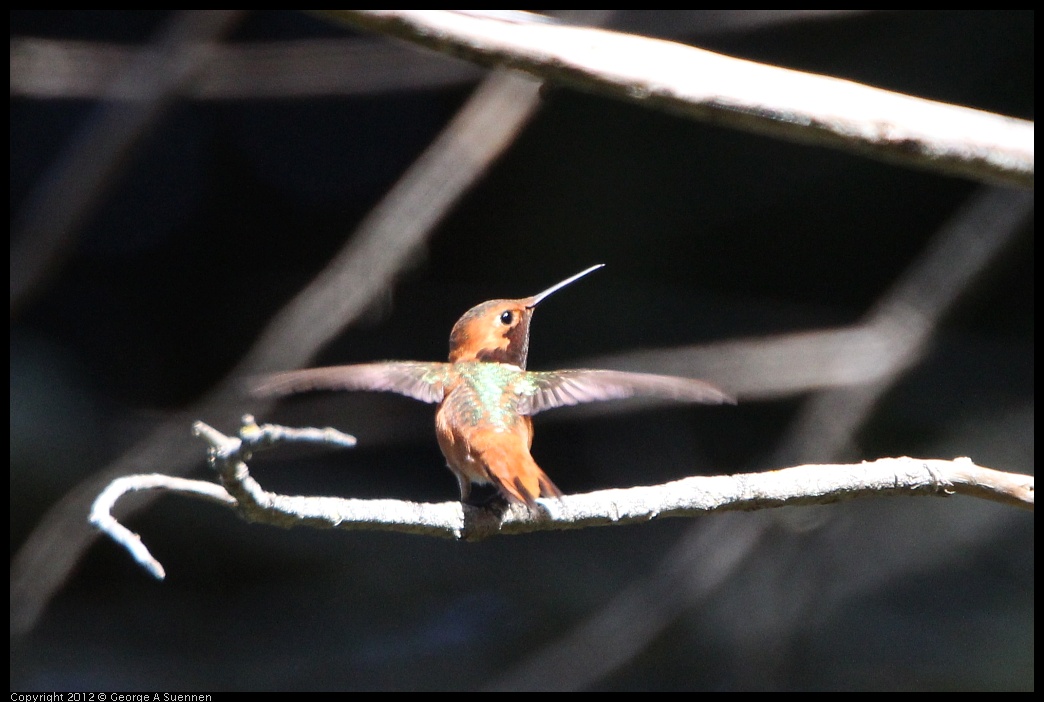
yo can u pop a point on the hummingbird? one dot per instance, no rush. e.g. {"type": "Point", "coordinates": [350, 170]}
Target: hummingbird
{"type": "Point", "coordinates": [486, 397]}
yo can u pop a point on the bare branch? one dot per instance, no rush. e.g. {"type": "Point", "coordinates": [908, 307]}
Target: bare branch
{"type": "Point", "coordinates": [800, 485]}
{"type": "Point", "coordinates": [703, 85]}
{"type": "Point", "coordinates": [64, 69]}
{"type": "Point", "coordinates": [101, 511]}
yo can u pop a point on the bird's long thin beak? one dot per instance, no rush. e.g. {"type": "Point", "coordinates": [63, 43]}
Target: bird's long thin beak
{"type": "Point", "coordinates": [536, 299]}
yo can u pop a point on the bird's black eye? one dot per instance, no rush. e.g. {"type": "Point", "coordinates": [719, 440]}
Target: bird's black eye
{"type": "Point", "coordinates": [507, 317]}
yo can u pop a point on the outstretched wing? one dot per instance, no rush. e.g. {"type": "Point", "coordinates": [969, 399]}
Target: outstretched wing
{"type": "Point", "coordinates": [421, 381]}
{"type": "Point", "coordinates": [547, 390]}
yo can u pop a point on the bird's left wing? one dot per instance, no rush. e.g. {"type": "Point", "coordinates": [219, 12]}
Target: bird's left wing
{"type": "Point", "coordinates": [547, 390]}
{"type": "Point", "coordinates": [421, 381]}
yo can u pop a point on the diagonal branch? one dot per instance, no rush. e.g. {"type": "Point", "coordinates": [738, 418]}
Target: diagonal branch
{"type": "Point", "coordinates": [744, 94]}
{"type": "Point", "coordinates": [800, 485]}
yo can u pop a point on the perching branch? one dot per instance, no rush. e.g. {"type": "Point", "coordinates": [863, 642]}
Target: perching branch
{"type": "Point", "coordinates": [800, 485]}
{"type": "Point", "coordinates": [744, 94]}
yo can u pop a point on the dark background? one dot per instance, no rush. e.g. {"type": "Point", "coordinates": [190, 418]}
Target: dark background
{"type": "Point", "coordinates": [228, 207]}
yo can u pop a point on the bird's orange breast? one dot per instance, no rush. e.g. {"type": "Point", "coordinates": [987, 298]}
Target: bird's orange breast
{"type": "Point", "coordinates": [484, 445]}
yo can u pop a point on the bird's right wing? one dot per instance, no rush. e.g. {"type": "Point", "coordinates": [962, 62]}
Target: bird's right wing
{"type": "Point", "coordinates": [547, 390]}
{"type": "Point", "coordinates": [421, 381]}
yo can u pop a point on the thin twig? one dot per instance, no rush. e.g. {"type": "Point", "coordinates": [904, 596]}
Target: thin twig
{"type": "Point", "coordinates": [101, 511]}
